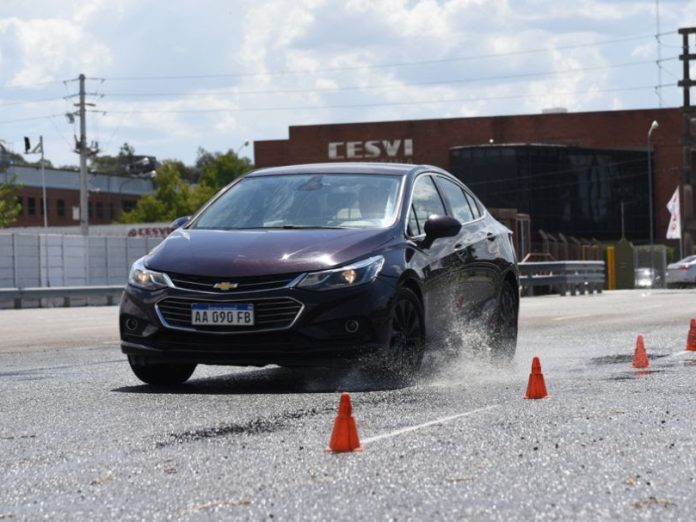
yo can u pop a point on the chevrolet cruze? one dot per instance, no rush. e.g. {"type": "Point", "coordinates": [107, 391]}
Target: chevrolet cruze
{"type": "Point", "coordinates": [322, 265]}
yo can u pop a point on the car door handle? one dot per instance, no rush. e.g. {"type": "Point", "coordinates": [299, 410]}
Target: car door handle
{"type": "Point", "coordinates": [490, 236]}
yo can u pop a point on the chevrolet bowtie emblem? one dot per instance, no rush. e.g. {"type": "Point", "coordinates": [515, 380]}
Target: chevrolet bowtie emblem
{"type": "Point", "coordinates": [225, 285]}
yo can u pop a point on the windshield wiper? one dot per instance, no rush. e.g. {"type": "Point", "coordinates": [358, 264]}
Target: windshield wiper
{"type": "Point", "coordinates": [279, 227]}
{"type": "Point", "coordinates": [293, 227]}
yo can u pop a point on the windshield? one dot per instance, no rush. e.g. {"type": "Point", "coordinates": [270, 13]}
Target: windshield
{"type": "Point", "coordinates": [306, 201]}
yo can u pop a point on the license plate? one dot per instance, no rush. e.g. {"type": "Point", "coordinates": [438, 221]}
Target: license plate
{"type": "Point", "coordinates": [222, 314]}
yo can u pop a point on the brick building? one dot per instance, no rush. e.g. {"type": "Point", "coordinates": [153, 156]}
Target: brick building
{"type": "Point", "coordinates": [109, 196]}
{"type": "Point", "coordinates": [433, 141]}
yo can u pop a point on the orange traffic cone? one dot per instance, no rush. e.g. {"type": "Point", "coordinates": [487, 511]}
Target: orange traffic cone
{"type": "Point", "coordinates": [536, 389]}
{"type": "Point", "coordinates": [640, 358]}
{"type": "Point", "coordinates": [344, 436]}
{"type": "Point", "coordinates": [691, 339]}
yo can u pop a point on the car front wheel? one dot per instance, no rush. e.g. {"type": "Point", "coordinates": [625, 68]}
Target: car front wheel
{"type": "Point", "coordinates": [407, 336]}
{"type": "Point", "coordinates": [158, 373]}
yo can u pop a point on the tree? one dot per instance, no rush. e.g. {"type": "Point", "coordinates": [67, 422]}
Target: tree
{"type": "Point", "coordinates": [114, 164]}
{"type": "Point", "coordinates": [14, 158]}
{"type": "Point", "coordinates": [217, 169]}
{"type": "Point", "coordinates": [172, 198]}
{"type": "Point", "coordinates": [175, 197]}
{"type": "Point", "coordinates": [126, 150]}
{"type": "Point", "coordinates": [9, 204]}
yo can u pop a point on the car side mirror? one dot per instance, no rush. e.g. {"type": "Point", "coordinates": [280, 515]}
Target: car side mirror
{"type": "Point", "coordinates": [438, 226]}
{"type": "Point", "coordinates": [178, 222]}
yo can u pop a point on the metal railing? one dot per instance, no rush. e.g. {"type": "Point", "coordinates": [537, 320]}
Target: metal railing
{"type": "Point", "coordinates": [111, 292]}
{"type": "Point", "coordinates": [562, 276]}
{"type": "Point", "coordinates": [559, 276]}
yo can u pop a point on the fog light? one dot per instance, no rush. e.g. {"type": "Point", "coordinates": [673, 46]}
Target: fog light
{"type": "Point", "coordinates": [131, 324]}
{"type": "Point", "coordinates": [352, 326]}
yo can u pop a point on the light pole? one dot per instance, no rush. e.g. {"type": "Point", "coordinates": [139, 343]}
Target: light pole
{"type": "Point", "coordinates": [239, 149]}
{"type": "Point", "coordinates": [654, 125]}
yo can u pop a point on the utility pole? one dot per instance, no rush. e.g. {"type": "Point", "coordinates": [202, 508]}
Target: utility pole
{"type": "Point", "coordinates": [82, 150]}
{"type": "Point", "coordinates": [687, 141]}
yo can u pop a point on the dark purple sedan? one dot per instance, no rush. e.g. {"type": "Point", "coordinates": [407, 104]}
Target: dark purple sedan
{"type": "Point", "coordinates": [336, 264]}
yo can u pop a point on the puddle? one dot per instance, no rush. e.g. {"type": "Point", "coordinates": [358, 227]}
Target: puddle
{"type": "Point", "coordinates": [628, 376]}
{"type": "Point", "coordinates": [625, 358]}
{"type": "Point", "coordinates": [253, 427]}
{"type": "Point", "coordinates": [613, 359]}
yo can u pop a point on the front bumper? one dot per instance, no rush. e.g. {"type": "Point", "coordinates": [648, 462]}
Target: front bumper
{"type": "Point", "coordinates": [316, 337]}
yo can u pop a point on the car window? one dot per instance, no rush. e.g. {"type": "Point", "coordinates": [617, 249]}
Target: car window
{"type": "Point", "coordinates": [306, 201]}
{"type": "Point", "coordinates": [474, 205]}
{"type": "Point", "coordinates": [457, 200]}
{"type": "Point", "coordinates": [426, 201]}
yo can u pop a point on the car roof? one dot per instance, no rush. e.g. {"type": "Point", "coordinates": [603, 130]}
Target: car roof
{"type": "Point", "coordinates": [393, 169]}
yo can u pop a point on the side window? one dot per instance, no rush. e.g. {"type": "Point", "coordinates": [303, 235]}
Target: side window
{"type": "Point", "coordinates": [457, 200]}
{"type": "Point", "coordinates": [474, 206]}
{"type": "Point", "coordinates": [426, 201]}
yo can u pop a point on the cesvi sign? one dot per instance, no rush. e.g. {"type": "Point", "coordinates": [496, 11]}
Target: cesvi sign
{"type": "Point", "coordinates": [149, 232]}
{"type": "Point", "coordinates": [372, 149]}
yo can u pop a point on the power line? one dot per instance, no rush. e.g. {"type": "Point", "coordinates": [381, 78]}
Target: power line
{"type": "Point", "coordinates": [373, 104]}
{"type": "Point", "coordinates": [392, 85]}
{"type": "Point", "coordinates": [598, 43]}
{"type": "Point", "coordinates": [29, 102]}
{"type": "Point", "coordinates": [384, 65]}
{"type": "Point", "coordinates": [29, 119]}
{"type": "Point", "coordinates": [66, 140]}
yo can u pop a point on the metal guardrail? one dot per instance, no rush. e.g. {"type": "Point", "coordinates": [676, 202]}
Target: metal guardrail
{"type": "Point", "coordinates": [18, 295]}
{"type": "Point", "coordinates": [562, 276]}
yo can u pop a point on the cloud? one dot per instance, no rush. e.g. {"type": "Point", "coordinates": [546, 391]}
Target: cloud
{"type": "Point", "coordinates": [44, 48]}
{"type": "Point", "coordinates": [359, 48]}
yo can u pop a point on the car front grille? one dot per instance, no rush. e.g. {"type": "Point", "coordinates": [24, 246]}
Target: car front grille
{"type": "Point", "coordinates": [276, 313]}
{"type": "Point", "coordinates": [239, 284]}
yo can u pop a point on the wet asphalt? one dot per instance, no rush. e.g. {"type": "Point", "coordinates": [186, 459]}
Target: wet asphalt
{"type": "Point", "coordinates": [82, 439]}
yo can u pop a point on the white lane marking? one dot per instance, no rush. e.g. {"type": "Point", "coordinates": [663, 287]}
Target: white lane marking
{"type": "Point", "coordinates": [443, 420]}
{"type": "Point", "coordinates": [567, 317]}
{"type": "Point", "coordinates": [679, 354]}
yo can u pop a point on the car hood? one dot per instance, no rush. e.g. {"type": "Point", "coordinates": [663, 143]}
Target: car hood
{"type": "Point", "coordinates": [240, 253]}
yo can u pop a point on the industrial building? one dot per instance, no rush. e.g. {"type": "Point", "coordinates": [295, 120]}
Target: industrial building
{"type": "Point", "coordinates": [571, 172]}
{"type": "Point", "coordinates": [109, 195]}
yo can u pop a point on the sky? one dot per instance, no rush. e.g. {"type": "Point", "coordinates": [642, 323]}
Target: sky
{"type": "Point", "coordinates": [170, 76]}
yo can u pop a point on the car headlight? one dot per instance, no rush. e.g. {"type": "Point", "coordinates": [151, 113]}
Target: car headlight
{"type": "Point", "coordinates": [145, 278]}
{"type": "Point", "coordinates": [359, 273]}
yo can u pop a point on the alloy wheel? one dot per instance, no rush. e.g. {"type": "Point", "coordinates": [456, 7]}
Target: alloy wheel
{"type": "Point", "coordinates": [407, 333]}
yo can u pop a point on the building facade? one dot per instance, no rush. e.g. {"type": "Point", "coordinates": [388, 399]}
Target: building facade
{"type": "Point", "coordinates": [610, 137]}
{"type": "Point", "coordinates": [109, 196]}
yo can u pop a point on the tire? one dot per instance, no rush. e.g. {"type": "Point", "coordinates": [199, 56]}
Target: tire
{"type": "Point", "coordinates": [160, 374]}
{"type": "Point", "coordinates": [503, 337]}
{"type": "Point", "coordinates": [404, 354]}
